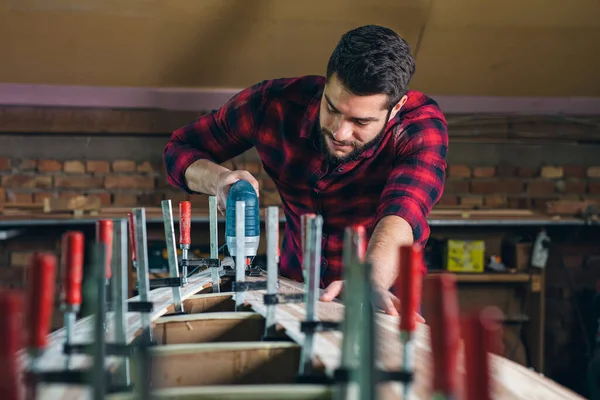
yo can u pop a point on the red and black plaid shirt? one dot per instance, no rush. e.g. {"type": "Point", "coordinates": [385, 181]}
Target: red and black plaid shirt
{"type": "Point", "coordinates": [403, 175]}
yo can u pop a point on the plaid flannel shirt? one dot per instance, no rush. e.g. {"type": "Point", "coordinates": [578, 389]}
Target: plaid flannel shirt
{"type": "Point", "coordinates": [403, 175]}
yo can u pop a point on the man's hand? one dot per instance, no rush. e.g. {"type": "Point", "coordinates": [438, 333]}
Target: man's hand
{"type": "Point", "coordinates": [384, 299]}
{"type": "Point", "coordinates": [228, 178]}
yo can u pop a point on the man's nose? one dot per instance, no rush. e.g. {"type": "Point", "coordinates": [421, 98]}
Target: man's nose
{"type": "Point", "coordinates": [343, 132]}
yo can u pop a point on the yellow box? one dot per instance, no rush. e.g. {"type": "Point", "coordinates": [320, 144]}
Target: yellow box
{"type": "Point", "coordinates": [465, 255]}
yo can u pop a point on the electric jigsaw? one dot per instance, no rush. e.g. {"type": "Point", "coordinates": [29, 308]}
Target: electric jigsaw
{"type": "Point", "coordinates": [243, 191]}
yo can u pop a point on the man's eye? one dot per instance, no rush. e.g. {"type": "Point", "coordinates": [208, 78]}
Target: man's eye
{"type": "Point", "coordinates": [361, 123]}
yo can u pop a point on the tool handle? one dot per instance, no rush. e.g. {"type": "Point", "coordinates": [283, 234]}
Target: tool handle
{"type": "Point", "coordinates": [11, 304]}
{"type": "Point", "coordinates": [131, 230]}
{"type": "Point", "coordinates": [72, 267]}
{"type": "Point", "coordinates": [104, 235]}
{"type": "Point", "coordinates": [441, 301]}
{"type": "Point", "coordinates": [482, 331]}
{"type": "Point", "coordinates": [40, 298]}
{"type": "Point", "coordinates": [359, 242]}
{"type": "Point", "coordinates": [185, 223]}
{"type": "Point", "coordinates": [408, 285]}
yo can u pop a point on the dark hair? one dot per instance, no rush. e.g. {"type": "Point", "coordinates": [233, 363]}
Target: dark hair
{"type": "Point", "coordinates": [371, 60]}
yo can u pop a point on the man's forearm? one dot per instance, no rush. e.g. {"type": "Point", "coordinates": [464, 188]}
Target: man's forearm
{"type": "Point", "coordinates": [202, 176]}
{"type": "Point", "coordinates": [383, 250]}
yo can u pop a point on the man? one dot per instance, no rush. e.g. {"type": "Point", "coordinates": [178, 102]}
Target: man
{"type": "Point", "coordinates": [354, 146]}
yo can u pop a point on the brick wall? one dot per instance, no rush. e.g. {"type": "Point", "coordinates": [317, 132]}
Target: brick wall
{"type": "Point", "coordinates": [511, 186]}
{"type": "Point", "coordinates": [121, 183]}
{"type": "Point", "coordinates": [127, 183]}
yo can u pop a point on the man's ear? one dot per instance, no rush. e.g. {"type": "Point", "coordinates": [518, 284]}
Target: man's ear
{"type": "Point", "coordinates": [398, 106]}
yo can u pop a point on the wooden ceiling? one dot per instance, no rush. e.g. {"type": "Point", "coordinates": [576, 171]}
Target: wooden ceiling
{"type": "Point", "coordinates": [463, 47]}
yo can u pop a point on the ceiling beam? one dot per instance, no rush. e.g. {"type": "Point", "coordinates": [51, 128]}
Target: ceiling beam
{"type": "Point", "coordinates": [203, 99]}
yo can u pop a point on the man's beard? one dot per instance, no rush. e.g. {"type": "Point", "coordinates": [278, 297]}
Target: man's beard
{"type": "Point", "coordinates": [356, 152]}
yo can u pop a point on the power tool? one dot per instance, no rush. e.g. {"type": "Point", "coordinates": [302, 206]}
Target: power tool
{"type": "Point", "coordinates": [243, 191]}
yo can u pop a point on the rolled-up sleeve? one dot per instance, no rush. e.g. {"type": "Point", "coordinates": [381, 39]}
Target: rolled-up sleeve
{"type": "Point", "coordinates": [416, 181]}
{"type": "Point", "coordinates": [216, 136]}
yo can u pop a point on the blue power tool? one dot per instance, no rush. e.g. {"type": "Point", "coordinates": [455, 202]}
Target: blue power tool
{"type": "Point", "coordinates": [243, 191]}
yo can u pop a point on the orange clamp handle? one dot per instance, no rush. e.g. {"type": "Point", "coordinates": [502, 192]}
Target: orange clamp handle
{"type": "Point", "coordinates": [185, 222]}
{"type": "Point", "coordinates": [441, 301]}
{"type": "Point", "coordinates": [131, 230]}
{"type": "Point", "coordinates": [408, 285]}
{"type": "Point", "coordinates": [11, 304]}
{"type": "Point", "coordinates": [104, 235]}
{"type": "Point", "coordinates": [72, 267]}
{"type": "Point", "coordinates": [40, 298]}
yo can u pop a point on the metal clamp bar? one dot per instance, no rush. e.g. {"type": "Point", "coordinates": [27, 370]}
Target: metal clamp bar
{"type": "Point", "coordinates": [167, 212]}
{"type": "Point", "coordinates": [311, 285]}
{"type": "Point", "coordinates": [113, 349]}
{"type": "Point", "coordinates": [140, 306]}
{"type": "Point", "coordinates": [99, 345]}
{"type": "Point", "coordinates": [214, 242]}
{"type": "Point", "coordinates": [142, 260]}
{"type": "Point", "coordinates": [119, 287]}
{"type": "Point", "coordinates": [319, 326]}
{"type": "Point", "coordinates": [240, 259]}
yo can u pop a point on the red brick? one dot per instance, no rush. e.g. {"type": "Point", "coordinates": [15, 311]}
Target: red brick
{"type": "Point", "coordinates": [525, 172]}
{"type": "Point", "coordinates": [484, 172]}
{"type": "Point", "coordinates": [540, 203]}
{"type": "Point", "coordinates": [23, 198]}
{"type": "Point", "coordinates": [471, 201]}
{"type": "Point", "coordinates": [129, 182]}
{"type": "Point", "coordinates": [123, 166]}
{"type": "Point", "coordinates": [78, 182]}
{"type": "Point", "coordinates": [594, 187]}
{"type": "Point", "coordinates": [574, 171]}
{"type": "Point", "coordinates": [519, 202]}
{"type": "Point", "coordinates": [28, 165]}
{"type": "Point", "coordinates": [505, 170]}
{"type": "Point", "coordinates": [27, 181]}
{"type": "Point", "coordinates": [105, 198]}
{"type": "Point", "coordinates": [68, 195]}
{"type": "Point", "coordinates": [125, 199]}
{"type": "Point", "coordinates": [50, 166]}
{"type": "Point", "coordinates": [74, 167]}
{"type": "Point", "coordinates": [458, 171]}
{"type": "Point", "coordinates": [39, 197]}
{"type": "Point", "coordinates": [100, 167]}
{"type": "Point", "coordinates": [146, 166]}
{"type": "Point", "coordinates": [5, 164]}
{"type": "Point", "coordinates": [153, 200]}
{"type": "Point", "coordinates": [454, 186]}
{"type": "Point", "coordinates": [448, 200]}
{"type": "Point", "coordinates": [551, 172]}
{"type": "Point", "coordinates": [593, 172]}
{"type": "Point", "coordinates": [496, 201]}
{"type": "Point", "coordinates": [504, 186]}
{"type": "Point", "coordinates": [575, 186]}
{"type": "Point", "coordinates": [540, 188]}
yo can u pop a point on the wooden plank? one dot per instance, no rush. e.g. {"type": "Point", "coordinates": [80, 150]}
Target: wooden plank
{"type": "Point", "coordinates": [512, 381]}
{"type": "Point", "coordinates": [85, 121]}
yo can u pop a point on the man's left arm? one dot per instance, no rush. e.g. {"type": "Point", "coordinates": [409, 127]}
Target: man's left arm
{"type": "Point", "coordinates": [413, 187]}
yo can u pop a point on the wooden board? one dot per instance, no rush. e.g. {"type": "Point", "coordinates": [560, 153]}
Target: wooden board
{"type": "Point", "coordinates": [512, 381]}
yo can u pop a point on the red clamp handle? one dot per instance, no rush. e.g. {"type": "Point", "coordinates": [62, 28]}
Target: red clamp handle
{"type": "Point", "coordinates": [72, 267]}
{"type": "Point", "coordinates": [359, 242]}
{"type": "Point", "coordinates": [11, 304]}
{"type": "Point", "coordinates": [482, 332]}
{"type": "Point", "coordinates": [185, 223]}
{"type": "Point", "coordinates": [104, 235]}
{"type": "Point", "coordinates": [441, 302]}
{"type": "Point", "coordinates": [40, 298]}
{"type": "Point", "coordinates": [131, 230]}
{"type": "Point", "coordinates": [408, 285]}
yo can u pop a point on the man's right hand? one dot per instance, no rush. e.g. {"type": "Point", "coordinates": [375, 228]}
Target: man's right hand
{"type": "Point", "coordinates": [228, 178]}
